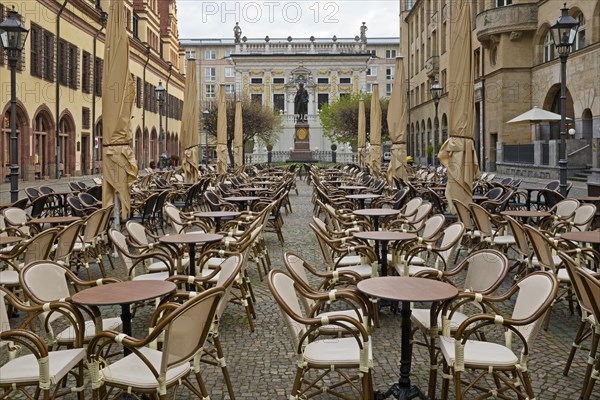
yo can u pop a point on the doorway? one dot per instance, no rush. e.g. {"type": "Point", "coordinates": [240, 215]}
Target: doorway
{"type": "Point", "coordinates": [85, 156]}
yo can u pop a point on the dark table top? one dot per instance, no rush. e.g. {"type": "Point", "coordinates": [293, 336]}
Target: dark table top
{"type": "Point", "coordinates": [400, 288]}
{"type": "Point", "coordinates": [586, 236]}
{"type": "Point", "coordinates": [376, 212]}
{"type": "Point", "coordinates": [363, 196]}
{"type": "Point", "coordinates": [216, 214]}
{"type": "Point", "coordinates": [67, 219]}
{"type": "Point", "coordinates": [191, 238]}
{"type": "Point", "coordinates": [384, 235]}
{"type": "Point", "coordinates": [123, 292]}
{"type": "Point", "coordinates": [241, 198]}
{"type": "Point", "coordinates": [10, 239]}
{"type": "Point", "coordinates": [525, 213]}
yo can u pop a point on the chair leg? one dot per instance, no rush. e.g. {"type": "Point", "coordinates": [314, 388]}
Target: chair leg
{"type": "Point", "coordinates": [297, 382]}
{"type": "Point", "coordinates": [457, 385]}
{"type": "Point", "coordinates": [579, 337]}
{"type": "Point", "coordinates": [587, 393]}
{"type": "Point", "coordinates": [591, 357]}
{"type": "Point", "coordinates": [221, 360]}
{"type": "Point", "coordinates": [445, 381]}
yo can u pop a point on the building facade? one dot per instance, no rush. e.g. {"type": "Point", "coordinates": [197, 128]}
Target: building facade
{"type": "Point", "coordinates": [59, 85]}
{"type": "Point", "coordinates": [516, 68]}
{"type": "Point", "coordinates": [268, 70]}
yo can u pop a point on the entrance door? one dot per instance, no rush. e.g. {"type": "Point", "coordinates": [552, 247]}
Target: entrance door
{"type": "Point", "coordinates": [85, 148]}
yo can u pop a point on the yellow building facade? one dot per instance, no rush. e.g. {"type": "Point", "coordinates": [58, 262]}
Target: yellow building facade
{"type": "Point", "coordinates": [516, 68]}
{"type": "Point", "coordinates": [59, 85]}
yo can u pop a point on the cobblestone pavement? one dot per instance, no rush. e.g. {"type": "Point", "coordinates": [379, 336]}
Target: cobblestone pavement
{"type": "Point", "coordinates": [262, 363]}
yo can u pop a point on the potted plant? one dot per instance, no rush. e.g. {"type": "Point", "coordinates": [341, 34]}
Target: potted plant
{"type": "Point", "coordinates": [153, 164]}
{"type": "Point", "coordinates": [429, 151]}
{"type": "Point", "coordinates": [175, 160]}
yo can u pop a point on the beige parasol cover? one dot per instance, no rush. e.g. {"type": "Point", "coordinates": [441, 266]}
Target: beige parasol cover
{"type": "Point", "coordinates": [362, 133]}
{"type": "Point", "coordinates": [397, 119]}
{"type": "Point", "coordinates": [238, 141]}
{"type": "Point", "coordinates": [375, 132]}
{"type": "Point", "coordinates": [222, 131]}
{"type": "Point", "coordinates": [457, 154]}
{"type": "Point", "coordinates": [189, 124]}
{"type": "Point", "coordinates": [119, 165]}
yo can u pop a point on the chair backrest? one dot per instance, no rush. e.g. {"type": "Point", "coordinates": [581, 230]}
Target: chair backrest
{"type": "Point", "coordinates": [93, 225]}
{"type": "Point", "coordinates": [39, 246]}
{"type": "Point", "coordinates": [519, 234]}
{"type": "Point", "coordinates": [74, 186]}
{"type": "Point", "coordinates": [32, 193]}
{"type": "Point", "coordinates": [411, 207]}
{"type": "Point", "coordinates": [149, 205]}
{"type": "Point", "coordinates": [66, 239]}
{"type": "Point", "coordinates": [46, 190]}
{"type": "Point", "coordinates": [172, 214]}
{"type": "Point", "coordinates": [486, 271]}
{"type": "Point", "coordinates": [296, 267]}
{"type": "Point", "coordinates": [583, 297]}
{"type": "Point", "coordinates": [418, 218]}
{"type": "Point", "coordinates": [541, 246]}
{"type": "Point", "coordinates": [537, 291]}
{"type": "Point", "coordinates": [450, 239]}
{"type": "Point", "coordinates": [494, 193]}
{"type": "Point", "coordinates": [591, 284]}
{"type": "Point", "coordinates": [18, 218]}
{"type": "Point", "coordinates": [565, 208]}
{"type": "Point", "coordinates": [137, 233]}
{"type": "Point", "coordinates": [87, 199]}
{"type": "Point", "coordinates": [76, 207]}
{"type": "Point", "coordinates": [464, 214]}
{"type": "Point", "coordinates": [181, 343]}
{"type": "Point", "coordinates": [583, 217]}
{"type": "Point", "coordinates": [4, 321]}
{"type": "Point", "coordinates": [120, 242]}
{"type": "Point", "coordinates": [282, 288]}
{"type": "Point", "coordinates": [230, 268]}
{"type": "Point", "coordinates": [432, 226]}
{"type": "Point", "coordinates": [482, 219]}
{"type": "Point", "coordinates": [552, 185]}
{"type": "Point", "coordinates": [38, 206]}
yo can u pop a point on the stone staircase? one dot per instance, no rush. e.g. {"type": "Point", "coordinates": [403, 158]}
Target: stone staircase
{"type": "Point", "coordinates": [582, 175]}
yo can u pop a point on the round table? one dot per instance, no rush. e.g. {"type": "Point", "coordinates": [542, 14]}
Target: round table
{"type": "Point", "coordinates": [124, 294]}
{"type": "Point", "coordinates": [384, 237]}
{"type": "Point", "coordinates": [4, 240]}
{"type": "Point", "coordinates": [242, 199]}
{"type": "Point", "coordinates": [362, 197]}
{"type": "Point", "coordinates": [477, 198]}
{"type": "Point", "coordinates": [352, 188]}
{"type": "Point", "coordinates": [525, 215]}
{"type": "Point", "coordinates": [592, 237]}
{"type": "Point", "coordinates": [191, 239]}
{"type": "Point", "coordinates": [587, 199]}
{"type": "Point", "coordinates": [406, 290]}
{"type": "Point", "coordinates": [60, 220]}
{"type": "Point", "coordinates": [217, 216]}
{"type": "Point", "coordinates": [253, 190]}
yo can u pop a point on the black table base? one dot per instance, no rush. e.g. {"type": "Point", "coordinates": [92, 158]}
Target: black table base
{"type": "Point", "coordinates": [400, 393]}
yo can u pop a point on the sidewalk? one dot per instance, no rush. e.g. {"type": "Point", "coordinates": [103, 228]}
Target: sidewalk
{"type": "Point", "coordinates": [59, 185]}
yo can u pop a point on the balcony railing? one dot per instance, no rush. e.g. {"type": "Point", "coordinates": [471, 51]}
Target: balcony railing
{"type": "Point", "coordinates": [515, 19]}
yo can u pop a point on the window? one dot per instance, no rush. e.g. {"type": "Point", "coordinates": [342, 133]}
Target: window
{"type": "Point", "coordinates": [190, 54]}
{"type": "Point", "coordinates": [210, 55]}
{"type": "Point", "coordinates": [63, 51]}
{"type": "Point", "coordinates": [369, 88]}
{"type": "Point", "coordinates": [228, 53]}
{"type": "Point", "coordinates": [85, 118]}
{"type": "Point", "coordinates": [323, 80]}
{"type": "Point", "coordinates": [48, 56]}
{"type": "Point", "coordinates": [279, 80]}
{"type": "Point", "coordinates": [345, 81]}
{"type": "Point", "coordinates": [86, 72]}
{"type": "Point", "coordinates": [580, 38]}
{"type": "Point", "coordinates": [390, 53]}
{"type": "Point", "coordinates": [443, 38]}
{"type": "Point", "coordinates": [135, 26]}
{"type": "Point", "coordinates": [229, 88]}
{"type": "Point", "coordinates": [210, 74]}
{"type": "Point", "coordinates": [373, 53]}
{"type": "Point", "coordinates": [210, 91]}
{"type": "Point", "coordinates": [388, 89]}
{"type": "Point", "coordinates": [256, 98]}
{"type": "Point", "coordinates": [409, 4]}
{"type": "Point", "coordinates": [493, 55]}
{"type": "Point", "coordinates": [548, 47]}
{"type": "Point", "coordinates": [256, 81]}
{"type": "Point", "coordinates": [98, 65]}
{"type": "Point", "coordinates": [73, 69]}
{"type": "Point", "coordinates": [322, 99]}
{"type": "Point", "coordinates": [389, 73]}
{"type": "Point", "coordinates": [279, 102]}
{"type": "Point", "coordinates": [502, 3]}
{"type": "Point", "coordinates": [229, 72]}
{"type": "Point", "coordinates": [138, 93]}
{"type": "Point", "coordinates": [344, 95]}
{"type": "Point", "coordinates": [443, 83]}
{"type": "Point", "coordinates": [372, 71]}
{"type": "Point", "coordinates": [35, 38]}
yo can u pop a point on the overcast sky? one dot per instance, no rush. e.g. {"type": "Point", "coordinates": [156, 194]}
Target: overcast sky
{"type": "Point", "coordinates": [280, 18]}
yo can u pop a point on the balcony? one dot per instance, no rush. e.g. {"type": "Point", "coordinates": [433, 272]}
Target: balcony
{"type": "Point", "coordinates": [513, 19]}
{"type": "Point", "coordinates": [432, 66]}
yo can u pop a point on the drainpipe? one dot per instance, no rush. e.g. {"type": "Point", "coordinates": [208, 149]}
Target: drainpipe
{"type": "Point", "coordinates": [409, 134]}
{"type": "Point", "coordinates": [57, 94]}
{"type": "Point", "coordinates": [103, 18]}
{"type": "Point", "coordinates": [167, 99]}
{"type": "Point", "coordinates": [483, 112]}
{"type": "Point", "coordinates": [144, 103]}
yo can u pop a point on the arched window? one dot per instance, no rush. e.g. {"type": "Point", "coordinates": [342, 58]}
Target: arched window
{"type": "Point", "coordinates": [548, 47]}
{"type": "Point", "coordinates": [580, 38]}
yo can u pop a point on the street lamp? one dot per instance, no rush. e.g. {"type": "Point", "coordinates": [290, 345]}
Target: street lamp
{"type": "Point", "coordinates": [436, 93]}
{"type": "Point", "coordinates": [206, 113]}
{"type": "Point", "coordinates": [160, 97]}
{"type": "Point", "coordinates": [13, 35]}
{"type": "Point", "coordinates": [563, 35]}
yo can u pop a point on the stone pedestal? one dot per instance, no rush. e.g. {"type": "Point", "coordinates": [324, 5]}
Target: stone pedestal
{"type": "Point", "coordinates": [301, 152]}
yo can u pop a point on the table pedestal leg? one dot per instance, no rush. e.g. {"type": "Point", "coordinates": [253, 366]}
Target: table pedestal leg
{"type": "Point", "coordinates": [192, 253]}
{"type": "Point", "coordinates": [126, 319]}
{"type": "Point", "coordinates": [403, 389]}
{"type": "Point", "coordinates": [376, 227]}
{"type": "Point", "coordinates": [383, 258]}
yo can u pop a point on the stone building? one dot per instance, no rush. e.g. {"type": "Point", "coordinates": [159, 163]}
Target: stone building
{"type": "Point", "coordinates": [63, 55]}
{"type": "Point", "coordinates": [516, 68]}
{"type": "Point", "coordinates": [269, 69]}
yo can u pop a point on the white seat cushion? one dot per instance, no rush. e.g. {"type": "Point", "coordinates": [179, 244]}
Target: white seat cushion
{"type": "Point", "coordinates": [9, 277]}
{"type": "Point", "coordinates": [335, 328]}
{"type": "Point", "coordinates": [479, 354]}
{"type": "Point", "coordinates": [25, 368]}
{"type": "Point", "coordinates": [363, 270]}
{"type": "Point", "coordinates": [68, 335]}
{"type": "Point", "coordinates": [339, 351]}
{"type": "Point", "coordinates": [421, 318]}
{"type": "Point", "coordinates": [502, 240]}
{"type": "Point", "coordinates": [159, 276]}
{"type": "Point", "coordinates": [131, 371]}
{"type": "Point", "coordinates": [555, 259]}
{"type": "Point", "coordinates": [412, 269]}
{"type": "Point", "coordinates": [157, 266]}
{"type": "Point", "coordinates": [348, 260]}
{"type": "Point", "coordinates": [415, 260]}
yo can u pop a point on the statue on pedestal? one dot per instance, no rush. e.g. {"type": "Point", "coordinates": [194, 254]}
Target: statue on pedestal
{"type": "Point", "coordinates": [237, 32]}
{"type": "Point", "coordinates": [363, 33]}
{"type": "Point", "coordinates": [301, 103]}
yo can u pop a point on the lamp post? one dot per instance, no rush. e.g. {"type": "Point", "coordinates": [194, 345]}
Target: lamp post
{"type": "Point", "coordinates": [160, 97]}
{"type": "Point", "coordinates": [206, 113]}
{"type": "Point", "coordinates": [13, 35]}
{"type": "Point", "coordinates": [563, 35]}
{"type": "Point", "coordinates": [436, 92]}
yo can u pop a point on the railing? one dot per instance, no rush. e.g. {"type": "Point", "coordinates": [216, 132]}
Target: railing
{"type": "Point", "coordinates": [578, 150]}
{"type": "Point", "coordinates": [519, 153]}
